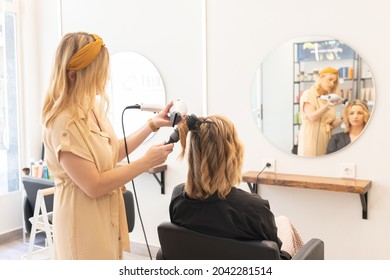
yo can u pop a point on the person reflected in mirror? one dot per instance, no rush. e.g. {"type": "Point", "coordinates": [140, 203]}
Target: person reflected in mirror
{"type": "Point", "coordinates": [318, 115]}
{"type": "Point", "coordinates": [82, 152]}
{"type": "Point", "coordinates": [209, 201]}
{"type": "Point", "coordinates": [355, 117]}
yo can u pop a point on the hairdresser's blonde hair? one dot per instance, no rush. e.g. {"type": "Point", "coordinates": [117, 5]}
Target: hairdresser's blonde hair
{"type": "Point", "coordinates": [347, 109]}
{"type": "Point", "coordinates": [318, 81]}
{"type": "Point", "coordinates": [215, 157]}
{"type": "Point", "coordinates": [78, 95]}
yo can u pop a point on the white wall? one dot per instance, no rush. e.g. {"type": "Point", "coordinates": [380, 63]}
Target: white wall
{"type": "Point", "coordinates": [37, 23]}
{"type": "Point", "coordinates": [240, 34]}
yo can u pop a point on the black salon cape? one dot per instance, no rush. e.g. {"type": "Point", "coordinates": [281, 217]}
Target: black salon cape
{"type": "Point", "coordinates": [242, 215]}
{"type": "Point", "coordinates": [337, 142]}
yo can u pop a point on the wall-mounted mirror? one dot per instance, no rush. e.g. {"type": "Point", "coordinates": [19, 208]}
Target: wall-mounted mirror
{"type": "Point", "coordinates": [134, 80]}
{"type": "Point", "coordinates": [291, 101]}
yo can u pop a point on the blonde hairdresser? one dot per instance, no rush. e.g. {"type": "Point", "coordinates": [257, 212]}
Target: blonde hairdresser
{"type": "Point", "coordinates": [82, 151]}
{"type": "Point", "coordinates": [318, 116]}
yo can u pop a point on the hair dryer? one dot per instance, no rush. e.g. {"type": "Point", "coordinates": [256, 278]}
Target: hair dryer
{"type": "Point", "coordinates": [176, 112]}
{"type": "Point", "coordinates": [191, 121]}
{"type": "Point", "coordinates": [332, 97]}
{"type": "Point", "coordinates": [174, 137]}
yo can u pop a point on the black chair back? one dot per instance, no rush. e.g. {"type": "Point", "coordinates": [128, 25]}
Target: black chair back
{"type": "Point", "coordinates": [180, 243]}
{"type": "Point", "coordinates": [129, 205]}
{"type": "Point", "coordinates": [32, 185]}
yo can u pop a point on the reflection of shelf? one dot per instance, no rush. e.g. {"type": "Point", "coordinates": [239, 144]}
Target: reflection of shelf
{"type": "Point", "coordinates": [360, 187]}
{"type": "Point", "coordinates": [340, 79]}
{"type": "Point", "coordinates": [327, 61]}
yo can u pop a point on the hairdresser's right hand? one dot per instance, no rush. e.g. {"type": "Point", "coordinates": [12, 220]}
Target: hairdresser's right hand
{"type": "Point", "coordinates": [335, 100]}
{"type": "Point", "coordinates": [334, 103]}
{"type": "Point", "coordinates": [162, 119]}
{"type": "Point", "coordinates": [158, 154]}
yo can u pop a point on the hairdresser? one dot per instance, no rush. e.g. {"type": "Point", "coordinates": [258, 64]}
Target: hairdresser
{"type": "Point", "coordinates": [89, 219]}
{"type": "Point", "coordinates": [318, 115]}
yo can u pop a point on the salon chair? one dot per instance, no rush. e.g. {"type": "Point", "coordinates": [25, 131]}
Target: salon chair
{"type": "Point", "coordinates": [180, 243]}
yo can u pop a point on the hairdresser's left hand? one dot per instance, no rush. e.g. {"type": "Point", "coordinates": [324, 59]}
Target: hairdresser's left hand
{"type": "Point", "coordinates": [162, 119]}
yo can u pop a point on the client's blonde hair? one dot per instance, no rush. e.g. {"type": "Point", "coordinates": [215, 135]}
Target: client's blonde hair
{"type": "Point", "coordinates": [215, 156]}
{"type": "Point", "coordinates": [347, 109]}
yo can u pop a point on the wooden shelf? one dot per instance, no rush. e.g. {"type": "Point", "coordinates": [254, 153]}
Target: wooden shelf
{"type": "Point", "coordinates": [360, 187]}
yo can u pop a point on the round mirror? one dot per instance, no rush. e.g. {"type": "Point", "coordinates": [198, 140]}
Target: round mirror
{"type": "Point", "coordinates": [312, 96]}
{"type": "Point", "coordinates": [134, 80]}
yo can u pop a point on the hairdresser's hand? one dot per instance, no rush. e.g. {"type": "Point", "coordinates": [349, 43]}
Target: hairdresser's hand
{"type": "Point", "coordinates": [158, 154]}
{"type": "Point", "coordinates": [335, 103]}
{"type": "Point", "coordinates": [162, 119]}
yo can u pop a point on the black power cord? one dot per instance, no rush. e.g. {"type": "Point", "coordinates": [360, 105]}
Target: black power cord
{"type": "Point", "coordinates": [267, 165]}
{"type": "Point", "coordinates": [132, 181]}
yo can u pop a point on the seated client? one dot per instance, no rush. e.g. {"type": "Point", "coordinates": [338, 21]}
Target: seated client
{"type": "Point", "coordinates": [208, 202]}
{"type": "Point", "coordinates": [355, 117]}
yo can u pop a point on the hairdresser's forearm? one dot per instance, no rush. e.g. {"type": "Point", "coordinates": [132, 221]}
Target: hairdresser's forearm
{"type": "Point", "coordinates": [115, 178]}
{"type": "Point", "coordinates": [86, 176]}
{"type": "Point", "coordinates": [337, 123]}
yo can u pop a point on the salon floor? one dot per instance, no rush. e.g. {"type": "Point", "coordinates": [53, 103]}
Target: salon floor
{"type": "Point", "coordinates": [17, 250]}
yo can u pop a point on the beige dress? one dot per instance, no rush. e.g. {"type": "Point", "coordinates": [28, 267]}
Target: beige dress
{"type": "Point", "coordinates": [85, 227]}
{"type": "Point", "coordinates": [314, 136]}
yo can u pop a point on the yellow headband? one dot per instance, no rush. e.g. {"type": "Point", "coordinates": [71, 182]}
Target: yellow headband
{"type": "Point", "coordinates": [329, 70]}
{"type": "Point", "coordinates": [84, 56]}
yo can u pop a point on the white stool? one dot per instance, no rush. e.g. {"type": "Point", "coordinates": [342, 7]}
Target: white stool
{"type": "Point", "coordinates": [40, 223]}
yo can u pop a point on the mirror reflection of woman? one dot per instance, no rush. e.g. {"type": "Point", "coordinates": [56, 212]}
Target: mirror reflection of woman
{"type": "Point", "coordinates": [318, 115]}
{"type": "Point", "coordinates": [355, 117]}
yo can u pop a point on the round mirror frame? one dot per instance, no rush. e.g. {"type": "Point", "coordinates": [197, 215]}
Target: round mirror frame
{"type": "Point", "coordinates": [133, 80]}
{"type": "Point", "coordinates": [291, 69]}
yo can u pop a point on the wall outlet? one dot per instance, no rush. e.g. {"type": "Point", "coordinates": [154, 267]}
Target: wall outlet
{"type": "Point", "coordinates": [347, 170]}
{"type": "Point", "coordinates": [264, 161]}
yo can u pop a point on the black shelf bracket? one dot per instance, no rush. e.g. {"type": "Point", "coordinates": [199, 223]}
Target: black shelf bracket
{"type": "Point", "coordinates": [161, 180]}
{"type": "Point", "coordinates": [364, 201]}
{"type": "Point", "coordinates": [253, 187]}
